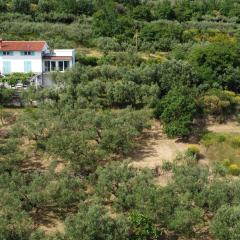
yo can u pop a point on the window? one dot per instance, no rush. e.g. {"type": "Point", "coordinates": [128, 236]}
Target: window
{"type": "Point", "coordinates": [66, 65]}
{"type": "Point", "coordinates": [47, 66]}
{"type": "Point", "coordinates": [63, 65]}
{"type": "Point", "coordinates": [60, 66]}
{"type": "Point", "coordinates": [6, 53]}
{"type": "Point", "coordinates": [53, 66]}
{"type": "Point", "coordinates": [27, 53]}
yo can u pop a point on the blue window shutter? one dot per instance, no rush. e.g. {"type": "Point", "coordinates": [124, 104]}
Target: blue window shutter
{"type": "Point", "coordinates": [22, 53]}
{"type": "Point", "coordinates": [1, 53]}
{"type": "Point", "coordinates": [27, 66]}
{"type": "Point", "coordinates": [6, 67]}
{"type": "Point", "coordinates": [33, 53]}
{"type": "Point", "coordinates": [11, 53]}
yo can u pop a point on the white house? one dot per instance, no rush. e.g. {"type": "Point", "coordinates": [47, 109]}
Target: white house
{"type": "Point", "coordinates": [33, 56]}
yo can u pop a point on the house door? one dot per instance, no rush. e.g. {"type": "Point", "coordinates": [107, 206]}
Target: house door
{"type": "Point", "coordinates": [6, 67]}
{"type": "Point", "coordinates": [27, 66]}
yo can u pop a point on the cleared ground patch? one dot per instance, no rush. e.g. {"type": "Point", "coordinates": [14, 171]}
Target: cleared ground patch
{"type": "Point", "coordinates": [155, 148]}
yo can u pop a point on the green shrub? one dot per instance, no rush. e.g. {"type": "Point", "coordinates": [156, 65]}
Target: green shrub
{"type": "Point", "coordinates": [6, 96]}
{"type": "Point", "coordinates": [176, 112]}
{"type": "Point", "coordinates": [190, 160]}
{"type": "Point", "coordinates": [235, 141]}
{"type": "Point", "coordinates": [213, 138]}
{"type": "Point", "coordinates": [85, 60]}
{"type": "Point", "coordinates": [219, 169]}
{"type": "Point", "coordinates": [217, 102]}
{"type": "Point", "coordinates": [226, 162]}
{"type": "Point", "coordinates": [167, 166]}
{"type": "Point", "coordinates": [55, 17]}
{"type": "Point", "coordinates": [234, 169]}
{"type": "Point", "coordinates": [14, 78]}
{"type": "Point", "coordinates": [193, 151]}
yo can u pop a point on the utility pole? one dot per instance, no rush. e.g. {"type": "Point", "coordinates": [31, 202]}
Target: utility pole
{"type": "Point", "coordinates": [135, 37]}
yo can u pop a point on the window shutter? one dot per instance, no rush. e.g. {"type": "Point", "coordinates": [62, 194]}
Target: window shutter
{"type": "Point", "coordinates": [22, 53]}
{"type": "Point", "coordinates": [27, 66]}
{"type": "Point", "coordinates": [33, 53]}
{"type": "Point", "coordinates": [11, 53]}
{"type": "Point", "coordinates": [1, 53]}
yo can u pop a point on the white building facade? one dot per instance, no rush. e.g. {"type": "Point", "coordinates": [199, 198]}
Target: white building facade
{"type": "Point", "coordinates": [33, 56]}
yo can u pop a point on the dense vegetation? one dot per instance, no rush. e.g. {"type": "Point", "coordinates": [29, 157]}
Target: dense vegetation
{"type": "Point", "coordinates": [176, 61]}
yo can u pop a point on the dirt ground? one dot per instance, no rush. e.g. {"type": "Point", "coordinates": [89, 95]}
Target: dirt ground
{"type": "Point", "coordinates": [155, 148]}
{"type": "Point", "coordinates": [229, 127]}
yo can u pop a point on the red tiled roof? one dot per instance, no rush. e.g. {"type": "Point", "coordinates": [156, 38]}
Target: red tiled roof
{"type": "Point", "coordinates": [22, 45]}
{"type": "Point", "coordinates": [57, 58]}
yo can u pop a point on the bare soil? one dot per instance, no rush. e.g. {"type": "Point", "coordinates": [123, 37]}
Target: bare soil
{"type": "Point", "coordinates": [49, 223]}
{"type": "Point", "coordinates": [229, 127]}
{"type": "Point", "coordinates": [155, 148]}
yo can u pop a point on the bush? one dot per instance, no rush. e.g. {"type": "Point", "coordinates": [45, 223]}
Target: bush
{"type": "Point", "coordinates": [235, 141]}
{"type": "Point", "coordinates": [234, 169]}
{"type": "Point", "coordinates": [15, 78]}
{"type": "Point", "coordinates": [226, 162]}
{"type": "Point", "coordinates": [193, 151]}
{"type": "Point", "coordinates": [6, 96]}
{"type": "Point", "coordinates": [213, 138]}
{"type": "Point", "coordinates": [225, 224]}
{"type": "Point", "coordinates": [107, 44]}
{"type": "Point", "coordinates": [219, 103]}
{"type": "Point", "coordinates": [219, 169]}
{"type": "Point", "coordinates": [162, 31]}
{"type": "Point", "coordinates": [86, 60]}
{"type": "Point", "coordinates": [176, 111]}
{"type": "Point", "coordinates": [167, 166]}
{"type": "Point", "coordinates": [142, 227]}
{"type": "Point", "coordinates": [22, 6]}
{"type": "Point", "coordinates": [55, 17]}
{"type": "Point", "coordinates": [216, 63]}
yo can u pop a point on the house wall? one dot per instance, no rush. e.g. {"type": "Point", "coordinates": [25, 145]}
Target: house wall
{"type": "Point", "coordinates": [37, 63]}
{"type": "Point", "coordinates": [17, 62]}
{"type": "Point", "coordinates": [65, 53]}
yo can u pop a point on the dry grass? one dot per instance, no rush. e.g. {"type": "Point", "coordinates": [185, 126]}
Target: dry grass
{"type": "Point", "coordinates": [9, 116]}
{"type": "Point", "coordinates": [90, 52]}
{"type": "Point", "coordinates": [94, 52]}
{"type": "Point", "coordinates": [221, 150]}
{"type": "Point", "coordinates": [160, 56]}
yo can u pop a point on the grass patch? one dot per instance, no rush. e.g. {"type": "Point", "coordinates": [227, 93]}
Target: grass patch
{"type": "Point", "coordinates": [224, 148]}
